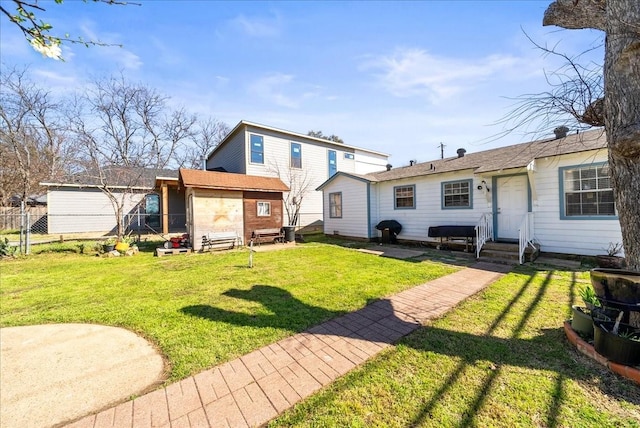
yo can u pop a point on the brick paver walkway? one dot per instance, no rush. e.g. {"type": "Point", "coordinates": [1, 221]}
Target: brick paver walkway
{"type": "Point", "coordinates": [255, 388]}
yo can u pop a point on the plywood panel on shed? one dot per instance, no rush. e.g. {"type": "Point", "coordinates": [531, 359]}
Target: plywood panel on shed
{"type": "Point", "coordinates": [216, 211]}
{"type": "Point", "coordinates": [251, 219]}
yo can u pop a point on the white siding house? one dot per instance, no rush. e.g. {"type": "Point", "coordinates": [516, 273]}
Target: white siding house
{"type": "Point", "coordinates": [560, 187]}
{"type": "Point", "coordinates": [151, 199]}
{"type": "Point", "coordinates": [296, 158]}
{"type": "Point", "coordinates": [72, 209]}
{"type": "Point", "coordinates": [343, 216]}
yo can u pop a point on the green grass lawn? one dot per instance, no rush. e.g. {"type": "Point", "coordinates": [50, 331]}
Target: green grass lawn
{"type": "Point", "coordinates": [500, 359]}
{"type": "Point", "coordinates": [203, 309]}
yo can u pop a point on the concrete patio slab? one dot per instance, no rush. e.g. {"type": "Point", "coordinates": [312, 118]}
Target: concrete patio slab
{"type": "Point", "coordinates": [50, 374]}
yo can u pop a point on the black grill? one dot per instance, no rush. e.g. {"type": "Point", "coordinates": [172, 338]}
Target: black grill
{"type": "Point", "coordinates": [390, 229]}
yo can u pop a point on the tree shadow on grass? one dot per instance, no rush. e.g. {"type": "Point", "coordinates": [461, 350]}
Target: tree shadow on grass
{"type": "Point", "coordinates": [548, 351]}
{"type": "Point", "coordinates": [287, 312]}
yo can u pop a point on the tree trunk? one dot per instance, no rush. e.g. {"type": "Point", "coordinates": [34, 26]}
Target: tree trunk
{"type": "Point", "coordinates": [620, 19]}
{"type": "Point", "coordinates": [622, 118]}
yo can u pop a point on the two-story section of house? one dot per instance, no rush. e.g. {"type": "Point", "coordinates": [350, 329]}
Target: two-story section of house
{"type": "Point", "coordinates": [301, 161]}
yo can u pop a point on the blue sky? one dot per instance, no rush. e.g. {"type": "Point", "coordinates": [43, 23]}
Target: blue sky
{"type": "Point", "coordinates": [396, 77]}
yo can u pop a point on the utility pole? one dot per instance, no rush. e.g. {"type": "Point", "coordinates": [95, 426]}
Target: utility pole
{"type": "Point", "coordinates": [441, 150]}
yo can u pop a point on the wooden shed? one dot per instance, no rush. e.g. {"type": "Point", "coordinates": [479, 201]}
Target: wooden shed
{"type": "Point", "coordinates": [226, 202]}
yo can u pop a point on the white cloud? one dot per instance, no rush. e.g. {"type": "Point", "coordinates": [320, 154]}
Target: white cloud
{"type": "Point", "coordinates": [121, 56]}
{"type": "Point", "coordinates": [61, 83]}
{"type": "Point", "coordinates": [257, 27]}
{"type": "Point", "coordinates": [221, 80]}
{"type": "Point", "coordinates": [415, 72]}
{"type": "Point", "coordinates": [14, 44]}
{"type": "Point", "coordinates": [271, 88]}
{"type": "Point", "coordinates": [165, 53]}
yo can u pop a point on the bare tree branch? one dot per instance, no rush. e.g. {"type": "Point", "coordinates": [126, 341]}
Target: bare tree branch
{"type": "Point", "coordinates": [574, 99]}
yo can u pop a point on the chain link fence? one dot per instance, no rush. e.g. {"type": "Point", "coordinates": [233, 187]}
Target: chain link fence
{"type": "Point", "coordinates": [25, 227]}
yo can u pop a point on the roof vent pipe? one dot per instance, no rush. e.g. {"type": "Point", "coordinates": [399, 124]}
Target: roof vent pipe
{"type": "Point", "coordinates": [461, 152]}
{"type": "Point", "coordinates": [389, 166]}
{"type": "Point", "coordinates": [561, 131]}
{"type": "Point", "coordinates": [412, 162]}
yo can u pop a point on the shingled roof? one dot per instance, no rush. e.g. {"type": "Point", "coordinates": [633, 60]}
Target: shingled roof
{"type": "Point", "coordinates": [503, 158]}
{"type": "Point", "coordinates": [229, 181]}
{"type": "Point", "coordinates": [116, 177]}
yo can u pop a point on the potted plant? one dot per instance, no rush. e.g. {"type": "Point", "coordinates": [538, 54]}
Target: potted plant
{"type": "Point", "coordinates": [612, 259]}
{"type": "Point", "coordinates": [617, 342]}
{"type": "Point", "coordinates": [124, 243]}
{"type": "Point", "coordinates": [108, 245]}
{"type": "Point", "coordinates": [619, 289]}
{"type": "Point", "coordinates": [582, 319]}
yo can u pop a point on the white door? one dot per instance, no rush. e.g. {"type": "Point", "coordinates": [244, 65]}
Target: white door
{"type": "Point", "coordinates": [512, 205]}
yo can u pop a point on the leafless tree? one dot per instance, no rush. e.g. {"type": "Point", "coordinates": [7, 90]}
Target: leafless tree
{"type": "Point", "coordinates": [319, 134]}
{"type": "Point", "coordinates": [34, 145]}
{"type": "Point", "coordinates": [124, 131]}
{"type": "Point", "coordinates": [130, 124]}
{"type": "Point", "coordinates": [300, 184]}
{"type": "Point", "coordinates": [574, 98]}
{"type": "Point", "coordinates": [205, 137]}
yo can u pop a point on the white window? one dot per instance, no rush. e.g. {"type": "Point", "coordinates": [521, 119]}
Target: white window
{"type": "Point", "coordinates": [405, 197]}
{"type": "Point", "coordinates": [264, 209]}
{"type": "Point", "coordinates": [456, 194]}
{"type": "Point", "coordinates": [587, 192]}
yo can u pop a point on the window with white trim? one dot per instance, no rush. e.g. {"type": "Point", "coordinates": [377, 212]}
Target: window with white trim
{"type": "Point", "coordinates": [264, 209]}
{"type": "Point", "coordinates": [456, 194]}
{"type": "Point", "coordinates": [333, 162]}
{"type": "Point", "coordinates": [257, 149]}
{"type": "Point", "coordinates": [404, 197]}
{"type": "Point", "coordinates": [335, 205]}
{"type": "Point", "coordinates": [587, 191]}
{"type": "Point", "coordinates": [296, 155]}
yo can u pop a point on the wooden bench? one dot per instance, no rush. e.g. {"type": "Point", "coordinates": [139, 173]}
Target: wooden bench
{"type": "Point", "coordinates": [267, 235]}
{"type": "Point", "coordinates": [219, 240]}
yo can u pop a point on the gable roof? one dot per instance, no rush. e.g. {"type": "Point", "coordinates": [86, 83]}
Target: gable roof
{"type": "Point", "coordinates": [229, 181]}
{"type": "Point", "coordinates": [503, 158]}
{"type": "Point", "coordinates": [117, 177]}
{"type": "Point", "coordinates": [368, 178]}
{"type": "Point", "coordinates": [243, 123]}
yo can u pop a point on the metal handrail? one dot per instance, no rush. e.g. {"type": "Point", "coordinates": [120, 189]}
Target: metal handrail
{"type": "Point", "coordinates": [484, 231]}
{"type": "Point", "coordinates": [525, 237]}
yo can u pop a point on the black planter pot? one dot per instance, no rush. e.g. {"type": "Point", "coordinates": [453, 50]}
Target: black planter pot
{"type": "Point", "coordinates": [616, 347]}
{"type": "Point", "coordinates": [604, 314]}
{"type": "Point", "coordinates": [616, 285]}
{"type": "Point", "coordinates": [610, 262]}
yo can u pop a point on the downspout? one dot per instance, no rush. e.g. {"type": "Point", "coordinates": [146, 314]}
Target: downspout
{"type": "Point", "coordinates": [165, 208]}
{"type": "Point", "coordinates": [369, 211]}
{"type": "Point", "coordinates": [531, 169]}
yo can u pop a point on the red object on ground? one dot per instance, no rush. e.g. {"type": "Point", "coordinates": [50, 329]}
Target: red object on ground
{"type": "Point", "coordinates": [179, 241]}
